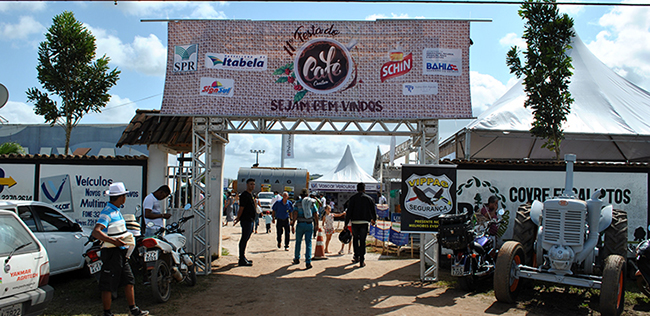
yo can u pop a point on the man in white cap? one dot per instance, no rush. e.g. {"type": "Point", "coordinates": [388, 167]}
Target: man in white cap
{"type": "Point", "coordinates": [116, 271]}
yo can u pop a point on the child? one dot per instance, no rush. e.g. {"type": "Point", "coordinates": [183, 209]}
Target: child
{"type": "Point", "coordinates": [268, 219]}
{"type": "Point", "coordinates": [349, 227]}
{"type": "Point", "coordinates": [328, 224]}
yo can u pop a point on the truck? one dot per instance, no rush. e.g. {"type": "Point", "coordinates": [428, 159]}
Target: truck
{"type": "Point", "coordinates": [269, 179]}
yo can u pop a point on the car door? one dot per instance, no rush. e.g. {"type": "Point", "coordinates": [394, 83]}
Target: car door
{"type": "Point", "coordinates": [63, 240]}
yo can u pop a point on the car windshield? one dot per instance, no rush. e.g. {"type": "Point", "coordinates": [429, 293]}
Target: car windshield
{"type": "Point", "coordinates": [265, 195]}
{"type": "Point", "coordinates": [13, 235]}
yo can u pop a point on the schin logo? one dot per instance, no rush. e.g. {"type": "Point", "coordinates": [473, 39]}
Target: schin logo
{"type": "Point", "coordinates": [185, 58]}
{"type": "Point", "coordinates": [51, 191]}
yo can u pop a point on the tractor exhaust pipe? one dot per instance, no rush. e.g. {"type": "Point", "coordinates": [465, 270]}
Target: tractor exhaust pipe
{"type": "Point", "coordinates": [568, 184]}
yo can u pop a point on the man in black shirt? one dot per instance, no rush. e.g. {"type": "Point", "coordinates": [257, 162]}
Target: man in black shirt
{"type": "Point", "coordinates": [246, 216]}
{"type": "Point", "coordinates": [361, 212]}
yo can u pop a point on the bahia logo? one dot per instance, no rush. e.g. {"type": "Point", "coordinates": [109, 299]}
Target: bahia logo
{"type": "Point", "coordinates": [185, 58]}
{"type": "Point", "coordinates": [235, 62]}
{"type": "Point", "coordinates": [217, 87]}
{"type": "Point", "coordinates": [442, 66]}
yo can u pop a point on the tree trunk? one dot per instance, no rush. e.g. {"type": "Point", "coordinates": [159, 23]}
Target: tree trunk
{"type": "Point", "coordinates": [68, 131]}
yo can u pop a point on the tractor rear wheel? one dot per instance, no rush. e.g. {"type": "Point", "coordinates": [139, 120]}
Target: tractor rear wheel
{"type": "Point", "coordinates": [525, 232]}
{"type": "Point", "coordinates": [616, 236]}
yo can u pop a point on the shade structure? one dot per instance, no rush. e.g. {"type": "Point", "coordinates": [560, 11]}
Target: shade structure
{"type": "Point", "coordinates": [608, 120]}
{"type": "Point", "coordinates": [345, 177]}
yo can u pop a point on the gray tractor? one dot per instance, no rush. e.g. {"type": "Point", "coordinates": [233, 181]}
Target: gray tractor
{"type": "Point", "coordinates": [568, 241]}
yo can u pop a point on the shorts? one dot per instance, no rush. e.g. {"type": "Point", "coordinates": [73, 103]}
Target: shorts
{"type": "Point", "coordinates": [116, 271]}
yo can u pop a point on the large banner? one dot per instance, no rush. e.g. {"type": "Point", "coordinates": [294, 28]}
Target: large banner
{"type": "Point", "coordinates": [17, 182]}
{"type": "Point", "coordinates": [386, 69]}
{"type": "Point", "coordinates": [79, 190]}
{"type": "Point", "coordinates": [427, 192]}
{"type": "Point", "coordinates": [625, 190]}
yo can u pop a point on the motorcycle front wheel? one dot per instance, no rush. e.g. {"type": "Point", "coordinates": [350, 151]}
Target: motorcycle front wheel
{"type": "Point", "coordinates": [191, 275]}
{"type": "Point", "coordinates": [643, 285]}
{"type": "Point", "coordinates": [160, 281]}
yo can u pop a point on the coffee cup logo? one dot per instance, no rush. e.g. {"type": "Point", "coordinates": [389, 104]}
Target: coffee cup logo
{"type": "Point", "coordinates": [323, 65]}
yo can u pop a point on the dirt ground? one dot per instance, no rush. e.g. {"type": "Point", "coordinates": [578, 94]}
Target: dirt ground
{"type": "Point", "coordinates": [387, 285]}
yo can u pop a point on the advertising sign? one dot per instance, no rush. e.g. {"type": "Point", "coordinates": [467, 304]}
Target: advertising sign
{"type": "Point", "coordinates": [80, 189]}
{"type": "Point", "coordinates": [17, 182]}
{"type": "Point", "coordinates": [625, 191]}
{"type": "Point", "coordinates": [427, 192]}
{"type": "Point", "coordinates": [288, 146]}
{"type": "Point", "coordinates": [319, 69]}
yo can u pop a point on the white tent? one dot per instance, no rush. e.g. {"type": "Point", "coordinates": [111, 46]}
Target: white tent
{"type": "Point", "coordinates": [344, 177]}
{"type": "Point", "coordinates": [609, 120]}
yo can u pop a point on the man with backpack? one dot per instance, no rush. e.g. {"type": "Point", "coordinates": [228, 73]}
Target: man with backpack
{"type": "Point", "coordinates": [305, 214]}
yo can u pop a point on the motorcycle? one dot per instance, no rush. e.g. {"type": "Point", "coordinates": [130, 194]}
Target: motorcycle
{"type": "Point", "coordinates": [92, 256]}
{"type": "Point", "coordinates": [165, 257]}
{"type": "Point", "coordinates": [643, 265]}
{"type": "Point", "coordinates": [474, 250]}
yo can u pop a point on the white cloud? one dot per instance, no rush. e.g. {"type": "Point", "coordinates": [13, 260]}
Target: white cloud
{"type": "Point", "coordinates": [202, 10]}
{"type": "Point", "coordinates": [26, 26]}
{"type": "Point", "coordinates": [485, 90]}
{"type": "Point", "coordinates": [146, 55]}
{"type": "Point", "coordinates": [20, 113]}
{"type": "Point", "coordinates": [573, 9]}
{"type": "Point", "coordinates": [377, 16]}
{"type": "Point", "coordinates": [624, 43]}
{"type": "Point", "coordinates": [6, 6]}
{"type": "Point", "coordinates": [512, 39]}
{"type": "Point", "coordinates": [117, 110]}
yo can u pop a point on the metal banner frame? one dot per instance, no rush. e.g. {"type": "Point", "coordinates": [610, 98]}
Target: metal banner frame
{"type": "Point", "coordinates": [207, 129]}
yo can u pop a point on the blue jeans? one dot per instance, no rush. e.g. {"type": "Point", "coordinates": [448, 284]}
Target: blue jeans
{"type": "Point", "coordinates": [306, 230]}
{"type": "Point", "coordinates": [246, 231]}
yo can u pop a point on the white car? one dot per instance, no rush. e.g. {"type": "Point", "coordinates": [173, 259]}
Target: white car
{"type": "Point", "coordinates": [63, 238]}
{"type": "Point", "coordinates": [23, 280]}
{"type": "Point", "coordinates": [265, 200]}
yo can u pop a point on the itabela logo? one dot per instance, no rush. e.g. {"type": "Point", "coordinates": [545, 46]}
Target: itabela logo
{"type": "Point", "coordinates": [57, 192]}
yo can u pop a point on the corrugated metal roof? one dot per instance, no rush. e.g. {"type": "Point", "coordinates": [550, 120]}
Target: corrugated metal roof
{"type": "Point", "coordinates": [71, 157]}
{"type": "Point", "coordinates": [147, 127]}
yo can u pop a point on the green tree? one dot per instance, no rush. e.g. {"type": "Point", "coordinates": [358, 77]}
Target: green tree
{"type": "Point", "coordinates": [12, 148]}
{"type": "Point", "coordinates": [67, 68]}
{"type": "Point", "coordinates": [547, 70]}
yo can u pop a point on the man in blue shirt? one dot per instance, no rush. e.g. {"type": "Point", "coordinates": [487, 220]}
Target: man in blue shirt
{"type": "Point", "coordinates": [116, 271]}
{"type": "Point", "coordinates": [281, 211]}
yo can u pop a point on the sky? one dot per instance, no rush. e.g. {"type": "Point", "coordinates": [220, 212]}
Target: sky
{"type": "Point", "coordinates": [618, 36]}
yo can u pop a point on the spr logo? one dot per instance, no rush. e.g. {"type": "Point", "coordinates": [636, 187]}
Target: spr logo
{"type": "Point", "coordinates": [185, 58]}
{"type": "Point", "coordinates": [428, 196]}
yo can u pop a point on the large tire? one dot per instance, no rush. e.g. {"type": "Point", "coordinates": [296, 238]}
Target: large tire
{"type": "Point", "coordinates": [525, 232]}
{"type": "Point", "coordinates": [160, 281]}
{"type": "Point", "coordinates": [506, 286]}
{"type": "Point", "coordinates": [612, 291]}
{"type": "Point", "coordinates": [615, 242]}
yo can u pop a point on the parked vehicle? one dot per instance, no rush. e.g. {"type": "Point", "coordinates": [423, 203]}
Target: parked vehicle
{"type": "Point", "coordinates": [26, 272]}
{"type": "Point", "coordinates": [63, 238]}
{"type": "Point", "coordinates": [265, 199]}
{"type": "Point", "coordinates": [92, 256]}
{"type": "Point", "coordinates": [643, 267]}
{"type": "Point", "coordinates": [578, 243]}
{"type": "Point", "coordinates": [166, 258]}
{"type": "Point", "coordinates": [474, 250]}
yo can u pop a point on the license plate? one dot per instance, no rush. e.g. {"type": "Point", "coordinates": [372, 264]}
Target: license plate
{"type": "Point", "coordinates": [13, 310]}
{"type": "Point", "coordinates": [457, 270]}
{"type": "Point", "coordinates": [95, 266]}
{"type": "Point", "coordinates": [151, 256]}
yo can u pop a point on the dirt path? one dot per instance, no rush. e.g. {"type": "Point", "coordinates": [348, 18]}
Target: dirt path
{"type": "Point", "coordinates": [273, 286]}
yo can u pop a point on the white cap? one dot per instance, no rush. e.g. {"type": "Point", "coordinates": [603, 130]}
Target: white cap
{"type": "Point", "coordinates": [116, 189]}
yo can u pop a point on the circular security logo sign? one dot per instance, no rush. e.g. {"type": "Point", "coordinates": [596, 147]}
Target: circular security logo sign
{"type": "Point", "coordinates": [323, 65]}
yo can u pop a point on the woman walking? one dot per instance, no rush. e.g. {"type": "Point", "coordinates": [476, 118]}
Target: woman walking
{"type": "Point", "coordinates": [229, 205]}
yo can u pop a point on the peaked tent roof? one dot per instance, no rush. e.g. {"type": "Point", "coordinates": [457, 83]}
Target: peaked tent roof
{"type": "Point", "coordinates": [607, 122]}
{"type": "Point", "coordinates": [347, 170]}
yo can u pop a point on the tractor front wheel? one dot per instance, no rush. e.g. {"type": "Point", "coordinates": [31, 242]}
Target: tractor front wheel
{"type": "Point", "coordinates": [612, 289]}
{"type": "Point", "coordinates": [506, 285]}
